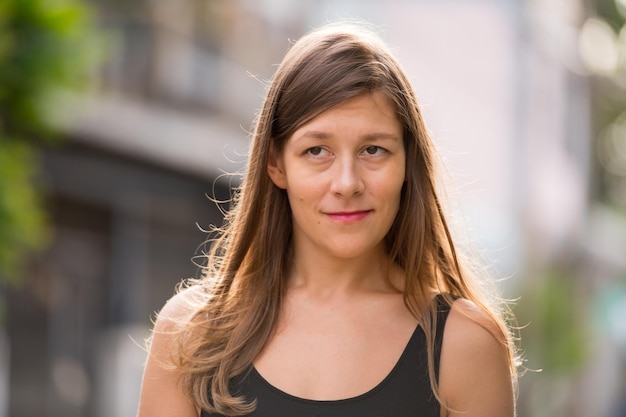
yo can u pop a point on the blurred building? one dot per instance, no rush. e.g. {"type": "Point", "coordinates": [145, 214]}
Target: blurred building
{"type": "Point", "coordinates": [499, 82]}
{"type": "Point", "coordinates": [129, 195]}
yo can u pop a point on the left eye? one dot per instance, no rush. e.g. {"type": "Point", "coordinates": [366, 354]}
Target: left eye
{"type": "Point", "coordinates": [373, 150]}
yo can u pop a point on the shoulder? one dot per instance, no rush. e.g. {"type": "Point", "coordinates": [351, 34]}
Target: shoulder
{"type": "Point", "coordinates": [179, 309]}
{"type": "Point", "coordinates": [171, 321]}
{"type": "Point", "coordinates": [161, 392]}
{"type": "Point", "coordinates": [474, 375]}
{"type": "Point", "coordinates": [468, 323]}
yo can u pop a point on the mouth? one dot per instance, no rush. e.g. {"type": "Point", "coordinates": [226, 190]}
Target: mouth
{"type": "Point", "coordinates": [349, 216]}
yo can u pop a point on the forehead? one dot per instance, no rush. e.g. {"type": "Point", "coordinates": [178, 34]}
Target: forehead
{"type": "Point", "coordinates": [367, 111]}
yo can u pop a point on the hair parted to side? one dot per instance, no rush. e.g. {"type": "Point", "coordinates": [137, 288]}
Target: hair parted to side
{"type": "Point", "coordinates": [244, 282]}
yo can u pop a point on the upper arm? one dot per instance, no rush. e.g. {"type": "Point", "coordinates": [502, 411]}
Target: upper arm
{"type": "Point", "coordinates": [161, 391]}
{"type": "Point", "coordinates": [474, 373]}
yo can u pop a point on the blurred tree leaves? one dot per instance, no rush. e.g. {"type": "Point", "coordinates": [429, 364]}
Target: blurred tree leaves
{"type": "Point", "coordinates": [608, 107]}
{"type": "Point", "coordinates": [46, 46]}
{"type": "Point", "coordinates": [557, 335]}
{"type": "Point", "coordinates": [22, 221]}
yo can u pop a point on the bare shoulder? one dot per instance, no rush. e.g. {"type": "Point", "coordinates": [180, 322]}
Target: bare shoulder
{"type": "Point", "coordinates": [179, 309]}
{"type": "Point", "coordinates": [469, 324]}
{"type": "Point", "coordinates": [474, 374]}
{"type": "Point", "coordinates": [161, 391]}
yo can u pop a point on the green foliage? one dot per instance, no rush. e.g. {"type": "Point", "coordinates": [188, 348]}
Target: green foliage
{"type": "Point", "coordinates": [608, 106]}
{"type": "Point", "coordinates": [609, 11]}
{"type": "Point", "coordinates": [556, 337]}
{"type": "Point", "coordinates": [22, 221]}
{"type": "Point", "coordinates": [45, 46]}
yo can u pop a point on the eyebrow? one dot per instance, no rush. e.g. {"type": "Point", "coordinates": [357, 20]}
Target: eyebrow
{"type": "Point", "coordinates": [315, 134]}
{"type": "Point", "coordinates": [320, 134]}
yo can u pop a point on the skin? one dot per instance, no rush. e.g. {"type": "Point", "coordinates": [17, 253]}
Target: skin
{"type": "Point", "coordinates": [161, 394]}
{"type": "Point", "coordinates": [343, 173]}
{"type": "Point", "coordinates": [474, 375]}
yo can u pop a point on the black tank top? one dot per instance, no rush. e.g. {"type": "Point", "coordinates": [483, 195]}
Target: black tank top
{"type": "Point", "coordinates": [405, 391]}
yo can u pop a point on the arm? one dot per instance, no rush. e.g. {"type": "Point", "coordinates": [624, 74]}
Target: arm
{"type": "Point", "coordinates": [161, 393]}
{"type": "Point", "coordinates": [474, 376]}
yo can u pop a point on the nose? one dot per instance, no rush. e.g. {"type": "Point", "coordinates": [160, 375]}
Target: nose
{"type": "Point", "coordinates": [347, 179]}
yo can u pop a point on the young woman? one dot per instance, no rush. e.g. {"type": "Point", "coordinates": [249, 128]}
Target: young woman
{"type": "Point", "coordinates": [334, 288]}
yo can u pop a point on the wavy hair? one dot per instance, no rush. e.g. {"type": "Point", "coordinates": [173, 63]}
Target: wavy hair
{"type": "Point", "coordinates": [244, 282]}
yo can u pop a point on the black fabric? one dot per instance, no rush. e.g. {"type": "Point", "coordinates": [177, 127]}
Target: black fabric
{"type": "Point", "coordinates": [405, 392]}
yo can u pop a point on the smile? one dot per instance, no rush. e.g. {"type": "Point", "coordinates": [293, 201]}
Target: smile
{"type": "Point", "coordinates": [349, 216]}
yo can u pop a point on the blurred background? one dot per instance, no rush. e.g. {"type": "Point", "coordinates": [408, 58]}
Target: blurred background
{"type": "Point", "coordinates": [119, 117]}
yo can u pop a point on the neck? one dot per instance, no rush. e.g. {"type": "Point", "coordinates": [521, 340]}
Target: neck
{"type": "Point", "coordinates": [326, 276]}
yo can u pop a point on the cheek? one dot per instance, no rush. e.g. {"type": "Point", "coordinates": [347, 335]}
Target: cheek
{"type": "Point", "coordinates": [390, 184]}
{"type": "Point", "coordinates": [300, 197]}
{"type": "Point", "coordinates": [306, 189]}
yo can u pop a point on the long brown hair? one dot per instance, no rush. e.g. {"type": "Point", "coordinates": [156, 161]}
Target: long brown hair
{"type": "Point", "coordinates": [244, 282]}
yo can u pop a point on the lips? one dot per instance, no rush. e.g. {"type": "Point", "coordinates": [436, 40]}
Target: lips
{"type": "Point", "coordinates": [349, 216]}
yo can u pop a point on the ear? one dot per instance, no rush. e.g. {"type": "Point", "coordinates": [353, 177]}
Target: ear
{"type": "Point", "coordinates": [275, 168]}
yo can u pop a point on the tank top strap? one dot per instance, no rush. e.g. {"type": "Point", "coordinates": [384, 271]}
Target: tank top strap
{"type": "Point", "coordinates": [443, 310]}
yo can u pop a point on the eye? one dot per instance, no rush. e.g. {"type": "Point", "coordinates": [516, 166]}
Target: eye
{"type": "Point", "coordinates": [315, 151]}
{"type": "Point", "coordinates": [374, 150]}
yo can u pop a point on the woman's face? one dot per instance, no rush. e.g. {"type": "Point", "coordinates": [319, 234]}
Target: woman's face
{"type": "Point", "coordinates": [343, 173]}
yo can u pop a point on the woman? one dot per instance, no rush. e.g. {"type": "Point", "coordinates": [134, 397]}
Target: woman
{"type": "Point", "coordinates": [334, 288]}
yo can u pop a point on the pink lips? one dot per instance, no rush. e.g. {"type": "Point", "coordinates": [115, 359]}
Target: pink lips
{"type": "Point", "coordinates": [349, 216]}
